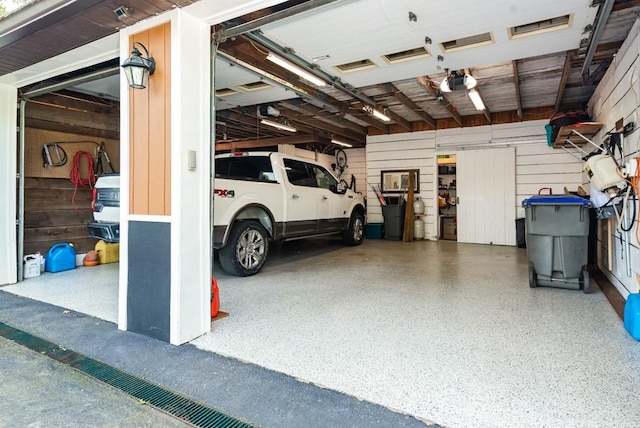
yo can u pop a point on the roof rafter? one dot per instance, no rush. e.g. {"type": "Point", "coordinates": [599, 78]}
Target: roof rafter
{"type": "Point", "coordinates": [516, 82]}
{"type": "Point", "coordinates": [566, 70]}
{"type": "Point", "coordinates": [407, 102]}
{"type": "Point", "coordinates": [428, 85]}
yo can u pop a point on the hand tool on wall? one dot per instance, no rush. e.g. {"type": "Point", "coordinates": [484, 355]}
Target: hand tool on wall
{"type": "Point", "coordinates": [53, 155]}
{"type": "Point", "coordinates": [378, 193]}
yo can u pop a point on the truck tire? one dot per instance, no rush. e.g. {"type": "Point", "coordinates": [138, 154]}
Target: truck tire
{"type": "Point", "coordinates": [355, 232]}
{"type": "Point", "coordinates": [246, 250]}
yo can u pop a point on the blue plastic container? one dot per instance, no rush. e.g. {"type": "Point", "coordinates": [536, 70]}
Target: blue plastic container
{"type": "Point", "coordinates": [60, 257]}
{"type": "Point", "coordinates": [374, 230]}
{"type": "Point", "coordinates": [632, 315]}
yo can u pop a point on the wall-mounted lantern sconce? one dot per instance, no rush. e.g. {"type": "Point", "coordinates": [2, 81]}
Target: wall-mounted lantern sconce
{"type": "Point", "coordinates": [138, 69]}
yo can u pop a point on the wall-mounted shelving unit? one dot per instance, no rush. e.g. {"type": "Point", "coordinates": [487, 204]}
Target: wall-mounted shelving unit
{"type": "Point", "coordinates": [447, 190]}
{"type": "Point", "coordinates": [576, 135]}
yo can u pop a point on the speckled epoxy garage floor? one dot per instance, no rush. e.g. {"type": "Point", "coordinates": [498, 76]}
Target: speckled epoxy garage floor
{"type": "Point", "coordinates": [448, 332]}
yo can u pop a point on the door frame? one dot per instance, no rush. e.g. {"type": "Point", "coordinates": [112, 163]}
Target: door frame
{"type": "Point", "coordinates": [510, 204]}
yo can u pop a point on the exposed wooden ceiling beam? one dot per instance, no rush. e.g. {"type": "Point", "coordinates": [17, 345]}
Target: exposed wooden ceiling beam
{"type": "Point", "coordinates": [516, 82]}
{"type": "Point", "coordinates": [426, 83]}
{"type": "Point", "coordinates": [407, 102]}
{"type": "Point", "coordinates": [625, 5]}
{"type": "Point", "coordinates": [566, 70]}
{"type": "Point", "coordinates": [317, 123]}
{"type": "Point", "coordinates": [340, 121]}
{"type": "Point", "coordinates": [237, 117]}
{"type": "Point", "coordinates": [399, 119]}
{"type": "Point", "coordinates": [267, 142]}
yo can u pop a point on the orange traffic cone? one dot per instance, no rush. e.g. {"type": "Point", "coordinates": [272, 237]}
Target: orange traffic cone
{"type": "Point", "coordinates": [215, 298]}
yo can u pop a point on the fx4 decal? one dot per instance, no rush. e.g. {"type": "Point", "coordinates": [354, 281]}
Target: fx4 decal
{"type": "Point", "coordinates": [224, 193]}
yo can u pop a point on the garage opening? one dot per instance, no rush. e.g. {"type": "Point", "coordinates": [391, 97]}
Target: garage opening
{"type": "Point", "coordinates": [70, 138]}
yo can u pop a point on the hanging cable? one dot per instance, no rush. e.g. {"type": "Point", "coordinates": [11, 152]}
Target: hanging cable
{"type": "Point", "coordinates": [631, 192]}
{"type": "Point", "coordinates": [76, 177]}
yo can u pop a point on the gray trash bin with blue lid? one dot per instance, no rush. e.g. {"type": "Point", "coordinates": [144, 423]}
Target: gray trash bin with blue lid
{"type": "Point", "coordinates": [557, 229]}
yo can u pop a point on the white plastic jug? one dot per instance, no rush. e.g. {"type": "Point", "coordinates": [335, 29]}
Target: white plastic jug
{"type": "Point", "coordinates": [32, 265]}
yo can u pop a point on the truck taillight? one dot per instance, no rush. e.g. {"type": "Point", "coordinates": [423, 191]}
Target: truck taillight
{"type": "Point", "coordinates": [238, 154]}
{"type": "Point", "coordinates": [94, 194]}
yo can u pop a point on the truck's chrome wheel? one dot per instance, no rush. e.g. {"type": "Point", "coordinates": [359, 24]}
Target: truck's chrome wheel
{"type": "Point", "coordinates": [250, 249]}
{"type": "Point", "coordinates": [246, 250]}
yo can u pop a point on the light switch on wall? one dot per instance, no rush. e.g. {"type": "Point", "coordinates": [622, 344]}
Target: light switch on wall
{"type": "Point", "coordinates": [191, 160]}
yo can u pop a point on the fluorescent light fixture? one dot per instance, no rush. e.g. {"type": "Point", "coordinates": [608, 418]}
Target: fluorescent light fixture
{"type": "Point", "coordinates": [381, 116]}
{"type": "Point", "coordinates": [340, 143]}
{"type": "Point", "coordinates": [475, 98]}
{"type": "Point", "coordinates": [278, 125]}
{"type": "Point", "coordinates": [371, 110]}
{"type": "Point", "coordinates": [295, 69]}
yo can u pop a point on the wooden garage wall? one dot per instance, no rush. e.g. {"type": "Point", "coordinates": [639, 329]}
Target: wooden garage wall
{"type": "Point", "coordinates": [537, 165]}
{"type": "Point", "coordinates": [50, 216]}
{"type": "Point", "coordinates": [618, 97]}
{"type": "Point", "coordinates": [150, 130]}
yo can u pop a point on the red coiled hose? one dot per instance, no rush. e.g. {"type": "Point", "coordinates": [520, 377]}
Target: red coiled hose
{"type": "Point", "coordinates": [76, 177]}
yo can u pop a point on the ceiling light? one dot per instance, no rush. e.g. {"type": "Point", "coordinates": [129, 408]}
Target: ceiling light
{"type": "Point", "coordinates": [372, 111]}
{"type": "Point", "coordinates": [381, 116]}
{"type": "Point", "coordinates": [444, 86]}
{"type": "Point", "coordinates": [469, 81]}
{"type": "Point", "coordinates": [340, 143]}
{"type": "Point", "coordinates": [278, 125]}
{"type": "Point", "coordinates": [476, 99]}
{"type": "Point", "coordinates": [297, 70]}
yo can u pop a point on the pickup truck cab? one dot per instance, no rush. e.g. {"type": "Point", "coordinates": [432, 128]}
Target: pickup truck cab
{"type": "Point", "coordinates": [264, 196]}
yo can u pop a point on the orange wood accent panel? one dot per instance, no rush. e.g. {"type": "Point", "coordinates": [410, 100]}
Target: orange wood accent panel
{"type": "Point", "coordinates": [150, 129]}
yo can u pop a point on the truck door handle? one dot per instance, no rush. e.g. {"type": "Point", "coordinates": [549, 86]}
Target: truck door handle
{"type": "Point", "coordinates": [294, 196]}
{"type": "Point", "coordinates": [324, 198]}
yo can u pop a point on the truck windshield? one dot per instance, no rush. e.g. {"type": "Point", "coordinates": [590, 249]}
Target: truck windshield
{"type": "Point", "coordinates": [257, 168]}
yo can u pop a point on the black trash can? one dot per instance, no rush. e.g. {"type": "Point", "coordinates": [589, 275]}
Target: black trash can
{"type": "Point", "coordinates": [393, 222]}
{"type": "Point", "coordinates": [521, 240]}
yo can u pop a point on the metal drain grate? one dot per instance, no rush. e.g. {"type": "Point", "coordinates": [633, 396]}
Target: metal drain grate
{"type": "Point", "coordinates": [180, 406]}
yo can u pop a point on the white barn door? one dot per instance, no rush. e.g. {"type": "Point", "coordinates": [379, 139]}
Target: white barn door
{"type": "Point", "coordinates": [486, 188]}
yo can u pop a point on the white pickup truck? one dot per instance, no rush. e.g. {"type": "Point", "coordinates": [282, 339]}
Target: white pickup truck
{"type": "Point", "coordinates": [265, 196]}
{"type": "Point", "coordinates": [258, 197]}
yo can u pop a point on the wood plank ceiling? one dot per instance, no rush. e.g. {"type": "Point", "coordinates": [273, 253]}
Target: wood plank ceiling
{"type": "Point", "coordinates": [64, 28]}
